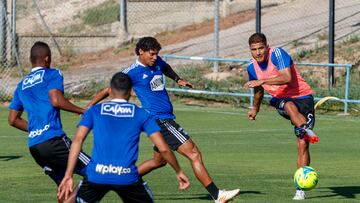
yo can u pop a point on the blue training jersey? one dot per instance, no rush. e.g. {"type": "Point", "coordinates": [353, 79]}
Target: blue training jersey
{"type": "Point", "coordinates": [116, 126]}
{"type": "Point", "coordinates": [149, 86]}
{"type": "Point", "coordinates": [279, 57]}
{"type": "Point", "coordinates": [31, 95]}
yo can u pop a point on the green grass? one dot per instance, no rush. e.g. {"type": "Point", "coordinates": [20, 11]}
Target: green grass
{"type": "Point", "coordinates": [258, 157]}
{"type": "Point", "coordinates": [107, 12]}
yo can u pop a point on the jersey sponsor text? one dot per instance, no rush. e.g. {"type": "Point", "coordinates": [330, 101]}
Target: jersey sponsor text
{"type": "Point", "coordinates": [157, 83]}
{"type": "Point", "coordinates": [33, 79]}
{"type": "Point", "coordinates": [38, 132]}
{"type": "Point", "coordinates": [117, 110]}
{"type": "Point", "coordinates": [119, 170]}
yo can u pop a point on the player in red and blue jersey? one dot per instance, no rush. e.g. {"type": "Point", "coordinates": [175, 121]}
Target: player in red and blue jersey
{"type": "Point", "coordinates": [41, 95]}
{"type": "Point", "coordinates": [147, 75]}
{"type": "Point", "coordinates": [274, 71]}
{"type": "Point", "coordinates": [116, 126]}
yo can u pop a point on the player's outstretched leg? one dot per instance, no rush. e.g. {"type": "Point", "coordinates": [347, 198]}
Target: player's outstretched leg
{"type": "Point", "coordinates": [190, 151]}
{"type": "Point", "coordinates": [147, 166]}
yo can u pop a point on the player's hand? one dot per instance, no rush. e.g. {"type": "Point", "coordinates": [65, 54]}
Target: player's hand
{"type": "Point", "coordinates": [254, 83]}
{"type": "Point", "coordinates": [65, 188]}
{"type": "Point", "coordinates": [184, 83]}
{"type": "Point", "coordinates": [183, 180]}
{"type": "Point", "coordinates": [252, 114]}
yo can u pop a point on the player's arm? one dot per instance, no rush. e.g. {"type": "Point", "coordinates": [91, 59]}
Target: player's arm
{"type": "Point", "coordinates": [169, 72]}
{"type": "Point", "coordinates": [66, 185]}
{"type": "Point", "coordinates": [169, 156]}
{"type": "Point", "coordinates": [258, 96]}
{"type": "Point", "coordinates": [15, 120]}
{"type": "Point", "coordinates": [284, 77]}
{"type": "Point", "coordinates": [99, 96]}
{"type": "Point", "coordinates": [58, 100]}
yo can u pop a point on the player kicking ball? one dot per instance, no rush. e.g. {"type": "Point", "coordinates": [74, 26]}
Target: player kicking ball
{"type": "Point", "coordinates": [116, 126]}
{"type": "Point", "coordinates": [149, 85]}
{"type": "Point", "coordinates": [274, 71]}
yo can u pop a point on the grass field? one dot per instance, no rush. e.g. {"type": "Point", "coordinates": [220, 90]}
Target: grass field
{"type": "Point", "coordinates": [257, 157]}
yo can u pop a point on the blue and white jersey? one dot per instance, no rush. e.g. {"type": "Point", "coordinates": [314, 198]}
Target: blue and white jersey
{"type": "Point", "coordinates": [116, 126]}
{"type": "Point", "coordinates": [31, 95]}
{"type": "Point", "coordinates": [149, 86]}
{"type": "Point", "coordinates": [279, 57]}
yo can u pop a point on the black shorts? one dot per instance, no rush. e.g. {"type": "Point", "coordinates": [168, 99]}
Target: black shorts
{"type": "Point", "coordinates": [173, 133]}
{"type": "Point", "coordinates": [52, 156]}
{"type": "Point", "coordinates": [91, 192]}
{"type": "Point", "coordinates": [304, 105]}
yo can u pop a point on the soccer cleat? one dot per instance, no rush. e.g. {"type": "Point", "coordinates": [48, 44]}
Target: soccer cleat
{"type": "Point", "coordinates": [226, 196]}
{"type": "Point", "coordinates": [299, 195]}
{"type": "Point", "coordinates": [310, 136]}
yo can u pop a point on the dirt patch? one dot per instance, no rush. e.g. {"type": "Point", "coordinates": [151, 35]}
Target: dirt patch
{"type": "Point", "coordinates": [114, 55]}
{"type": "Point", "coordinates": [196, 30]}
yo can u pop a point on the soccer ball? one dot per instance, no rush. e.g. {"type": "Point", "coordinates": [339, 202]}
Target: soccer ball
{"type": "Point", "coordinates": [305, 178]}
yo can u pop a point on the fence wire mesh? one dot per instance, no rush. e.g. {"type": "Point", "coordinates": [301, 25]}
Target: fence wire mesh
{"type": "Point", "coordinates": [73, 28]}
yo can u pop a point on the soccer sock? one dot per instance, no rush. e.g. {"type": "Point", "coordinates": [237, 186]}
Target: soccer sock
{"type": "Point", "coordinates": [213, 190]}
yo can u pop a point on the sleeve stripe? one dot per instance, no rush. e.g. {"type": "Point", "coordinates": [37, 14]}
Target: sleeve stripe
{"type": "Point", "coordinates": [280, 59]}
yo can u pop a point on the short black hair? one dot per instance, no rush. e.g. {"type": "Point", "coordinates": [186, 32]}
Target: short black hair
{"type": "Point", "coordinates": [121, 83]}
{"type": "Point", "coordinates": [38, 51]}
{"type": "Point", "coordinates": [257, 38]}
{"type": "Point", "coordinates": [147, 44]}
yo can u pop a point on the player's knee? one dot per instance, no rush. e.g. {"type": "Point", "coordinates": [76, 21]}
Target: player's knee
{"type": "Point", "coordinates": [290, 106]}
{"type": "Point", "coordinates": [194, 155]}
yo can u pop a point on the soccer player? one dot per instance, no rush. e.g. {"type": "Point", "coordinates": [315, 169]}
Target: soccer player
{"type": "Point", "coordinates": [148, 82]}
{"type": "Point", "coordinates": [116, 126]}
{"type": "Point", "coordinates": [41, 95]}
{"type": "Point", "coordinates": [274, 71]}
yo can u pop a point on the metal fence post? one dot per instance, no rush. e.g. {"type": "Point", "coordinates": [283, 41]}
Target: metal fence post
{"type": "Point", "coordinates": [331, 42]}
{"type": "Point", "coordinates": [347, 85]}
{"type": "Point", "coordinates": [123, 19]}
{"type": "Point", "coordinates": [258, 16]}
{"type": "Point", "coordinates": [216, 35]}
{"type": "Point", "coordinates": [2, 32]}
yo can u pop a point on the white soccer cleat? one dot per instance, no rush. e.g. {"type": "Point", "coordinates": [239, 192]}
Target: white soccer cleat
{"type": "Point", "coordinates": [299, 195]}
{"type": "Point", "coordinates": [225, 196]}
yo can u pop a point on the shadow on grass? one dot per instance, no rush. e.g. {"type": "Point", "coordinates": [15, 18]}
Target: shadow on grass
{"type": "Point", "coordinates": [9, 158]}
{"type": "Point", "coordinates": [197, 196]}
{"type": "Point", "coordinates": [348, 192]}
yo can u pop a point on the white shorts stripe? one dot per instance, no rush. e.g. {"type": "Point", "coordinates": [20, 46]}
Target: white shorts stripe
{"type": "Point", "coordinates": [175, 132]}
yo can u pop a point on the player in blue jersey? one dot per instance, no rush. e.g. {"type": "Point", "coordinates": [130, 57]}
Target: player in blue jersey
{"type": "Point", "coordinates": [41, 95]}
{"type": "Point", "coordinates": [274, 71]}
{"type": "Point", "coordinates": [116, 126]}
{"type": "Point", "coordinates": [148, 83]}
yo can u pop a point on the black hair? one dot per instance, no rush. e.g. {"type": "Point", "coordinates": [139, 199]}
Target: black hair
{"type": "Point", "coordinates": [257, 38]}
{"type": "Point", "coordinates": [147, 44]}
{"type": "Point", "coordinates": [121, 83]}
{"type": "Point", "coordinates": [38, 51]}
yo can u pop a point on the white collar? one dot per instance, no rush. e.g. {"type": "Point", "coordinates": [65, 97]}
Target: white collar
{"type": "Point", "coordinates": [139, 63]}
{"type": "Point", "coordinates": [36, 68]}
{"type": "Point", "coordinates": [118, 100]}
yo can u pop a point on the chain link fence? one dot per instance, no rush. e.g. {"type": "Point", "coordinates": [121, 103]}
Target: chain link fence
{"type": "Point", "coordinates": [74, 28]}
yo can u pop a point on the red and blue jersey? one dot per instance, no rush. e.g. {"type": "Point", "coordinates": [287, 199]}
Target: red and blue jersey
{"type": "Point", "coordinates": [149, 86]}
{"type": "Point", "coordinates": [279, 60]}
{"type": "Point", "coordinates": [31, 95]}
{"type": "Point", "coordinates": [116, 126]}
